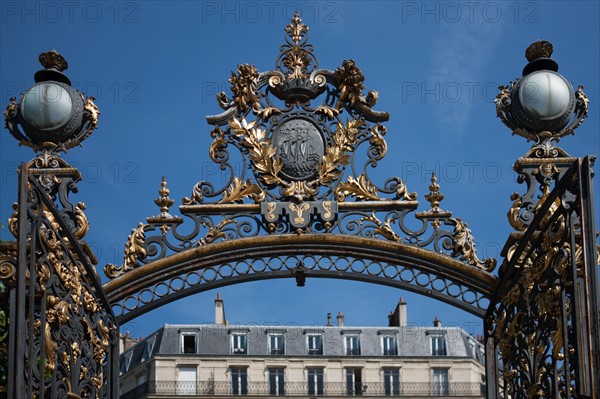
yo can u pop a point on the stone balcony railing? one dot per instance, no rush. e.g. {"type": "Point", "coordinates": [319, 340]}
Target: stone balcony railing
{"type": "Point", "coordinates": [263, 389]}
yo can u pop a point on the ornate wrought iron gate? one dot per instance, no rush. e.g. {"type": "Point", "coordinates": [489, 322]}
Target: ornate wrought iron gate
{"type": "Point", "coordinates": [63, 338]}
{"type": "Point", "coordinates": [302, 207]}
{"type": "Point", "coordinates": [543, 323]}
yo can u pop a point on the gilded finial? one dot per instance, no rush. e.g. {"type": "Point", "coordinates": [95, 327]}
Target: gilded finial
{"type": "Point", "coordinates": [539, 49]}
{"type": "Point", "coordinates": [296, 29]}
{"type": "Point", "coordinates": [434, 197]}
{"type": "Point", "coordinates": [164, 202]}
{"type": "Point", "coordinates": [53, 60]}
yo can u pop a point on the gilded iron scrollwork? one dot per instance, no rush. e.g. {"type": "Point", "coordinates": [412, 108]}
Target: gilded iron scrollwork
{"type": "Point", "coordinates": [287, 144]}
{"type": "Point", "coordinates": [72, 332]}
{"type": "Point", "coordinates": [533, 317]}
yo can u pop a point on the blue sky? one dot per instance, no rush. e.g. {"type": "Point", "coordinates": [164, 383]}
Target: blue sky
{"type": "Point", "coordinates": [155, 68]}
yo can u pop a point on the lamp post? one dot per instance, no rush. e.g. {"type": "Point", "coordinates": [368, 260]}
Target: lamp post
{"type": "Point", "coordinates": [70, 316]}
{"type": "Point", "coordinates": [51, 116]}
{"type": "Point", "coordinates": [541, 106]}
{"type": "Point", "coordinates": [547, 296]}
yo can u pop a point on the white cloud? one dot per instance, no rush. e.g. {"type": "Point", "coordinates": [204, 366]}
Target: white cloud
{"type": "Point", "coordinates": [458, 60]}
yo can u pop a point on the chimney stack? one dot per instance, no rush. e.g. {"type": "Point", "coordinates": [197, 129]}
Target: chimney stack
{"type": "Point", "coordinates": [220, 311]}
{"type": "Point", "coordinates": [329, 320]}
{"type": "Point", "coordinates": [398, 317]}
{"type": "Point", "coordinates": [437, 322]}
{"type": "Point", "coordinates": [340, 319]}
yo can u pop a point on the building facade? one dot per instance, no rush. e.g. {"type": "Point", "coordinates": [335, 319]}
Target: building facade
{"type": "Point", "coordinates": [210, 360]}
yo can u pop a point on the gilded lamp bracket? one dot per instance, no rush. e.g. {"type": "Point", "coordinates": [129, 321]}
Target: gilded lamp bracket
{"type": "Point", "coordinates": [296, 132]}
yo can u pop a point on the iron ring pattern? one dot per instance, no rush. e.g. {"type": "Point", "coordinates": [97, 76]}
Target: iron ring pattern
{"type": "Point", "coordinates": [228, 263]}
{"type": "Point", "coordinates": [229, 273]}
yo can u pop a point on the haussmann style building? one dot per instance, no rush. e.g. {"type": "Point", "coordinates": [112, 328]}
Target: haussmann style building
{"type": "Point", "coordinates": [334, 360]}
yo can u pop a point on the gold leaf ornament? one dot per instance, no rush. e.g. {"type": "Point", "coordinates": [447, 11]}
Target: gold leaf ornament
{"type": "Point", "coordinates": [260, 150]}
{"type": "Point", "coordinates": [134, 252]}
{"type": "Point", "coordinates": [238, 190]}
{"type": "Point", "coordinates": [336, 155]}
{"type": "Point", "coordinates": [360, 188]}
{"type": "Point", "coordinates": [464, 247]}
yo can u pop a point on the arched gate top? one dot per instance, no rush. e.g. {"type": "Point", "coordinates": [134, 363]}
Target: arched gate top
{"type": "Point", "coordinates": [300, 256]}
{"type": "Point", "coordinates": [295, 183]}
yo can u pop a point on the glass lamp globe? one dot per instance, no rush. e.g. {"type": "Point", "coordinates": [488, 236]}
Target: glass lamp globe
{"type": "Point", "coordinates": [545, 95]}
{"type": "Point", "coordinates": [47, 106]}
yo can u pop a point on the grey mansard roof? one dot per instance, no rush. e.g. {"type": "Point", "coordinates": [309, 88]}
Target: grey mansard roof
{"type": "Point", "coordinates": [215, 340]}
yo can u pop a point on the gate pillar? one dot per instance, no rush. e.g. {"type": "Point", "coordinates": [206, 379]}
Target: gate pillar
{"type": "Point", "coordinates": [63, 336]}
{"type": "Point", "coordinates": [543, 320]}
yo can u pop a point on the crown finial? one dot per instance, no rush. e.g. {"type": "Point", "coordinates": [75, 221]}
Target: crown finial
{"type": "Point", "coordinates": [539, 49]}
{"type": "Point", "coordinates": [53, 60]}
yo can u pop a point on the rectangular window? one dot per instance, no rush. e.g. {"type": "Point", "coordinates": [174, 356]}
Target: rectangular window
{"type": "Point", "coordinates": [315, 344]}
{"type": "Point", "coordinates": [187, 380]}
{"type": "Point", "coordinates": [352, 345]}
{"type": "Point", "coordinates": [388, 344]}
{"type": "Point", "coordinates": [438, 345]}
{"type": "Point", "coordinates": [239, 381]}
{"type": "Point", "coordinates": [315, 382]}
{"type": "Point", "coordinates": [188, 343]}
{"type": "Point", "coordinates": [276, 382]}
{"type": "Point", "coordinates": [391, 382]}
{"type": "Point", "coordinates": [276, 344]}
{"type": "Point", "coordinates": [353, 382]}
{"type": "Point", "coordinates": [239, 344]}
{"type": "Point", "coordinates": [441, 384]}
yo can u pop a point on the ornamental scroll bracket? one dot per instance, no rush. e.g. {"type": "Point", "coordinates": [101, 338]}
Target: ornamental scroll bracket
{"type": "Point", "coordinates": [296, 132]}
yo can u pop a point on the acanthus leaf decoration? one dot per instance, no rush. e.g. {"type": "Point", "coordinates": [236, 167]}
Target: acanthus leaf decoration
{"type": "Point", "coordinates": [378, 141]}
{"type": "Point", "coordinates": [360, 188]}
{"type": "Point", "coordinates": [337, 154]}
{"type": "Point", "coordinates": [196, 197]}
{"type": "Point", "coordinates": [328, 111]}
{"type": "Point", "coordinates": [135, 250]}
{"type": "Point", "coordinates": [260, 150]}
{"type": "Point", "coordinates": [464, 247]}
{"type": "Point", "coordinates": [296, 61]}
{"type": "Point", "coordinates": [239, 190]}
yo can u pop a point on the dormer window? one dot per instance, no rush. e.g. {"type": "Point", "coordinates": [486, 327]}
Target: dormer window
{"type": "Point", "coordinates": [239, 343]}
{"type": "Point", "coordinates": [188, 342]}
{"type": "Point", "coordinates": [314, 343]}
{"type": "Point", "coordinates": [438, 345]}
{"type": "Point", "coordinates": [276, 344]}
